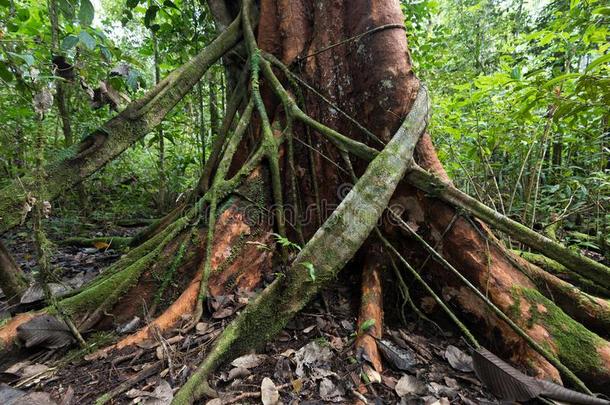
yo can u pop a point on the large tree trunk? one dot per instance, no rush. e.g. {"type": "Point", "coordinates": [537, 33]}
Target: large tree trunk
{"type": "Point", "coordinates": [355, 54]}
{"type": "Point", "coordinates": [371, 79]}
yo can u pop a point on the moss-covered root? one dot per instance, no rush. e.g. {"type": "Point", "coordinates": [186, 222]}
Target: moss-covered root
{"type": "Point", "coordinates": [445, 191]}
{"type": "Point", "coordinates": [587, 354]}
{"type": "Point", "coordinates": [101, 242]}
{"type": "Point", "coordinates": [322, 257]}
{"type": "Point", "coordinates": [591, 311]}
{"type": "Point", "coordinates": [563, 273]}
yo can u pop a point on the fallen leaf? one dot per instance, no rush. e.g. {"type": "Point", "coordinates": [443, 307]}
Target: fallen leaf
{"type": "Point", "coordinates": [160, 352]}
{"type": "Point", "coordinates": [37, 398]}
{"type": "Point", "coordinates": [458, 359]}
{"type": "Point", "coordinates": [201, 328]}
{"type": "Point", "coordinates": [442, 401]}
{"type": "Point", "coordinates": [215, 401]}
{"type": "Point", "coordinates": [297, 385]}
{"type": "Point", "coordinates": [237, 372]}
{"type": "Point", "coordinates": [35, 292]}
{"type": "Point", "coordinates": [409, 385]}
{"type": "Point", "coordinates": [269, 393]}
{"type": "Point", "coordinates": [249, 361]}
{"type": "Point", "coordinates": [32, 370]}
{"type": "Point", "coordinates": [441, 390]}
{"type": "Point", "coordinates": [311, 356]}
{"type": "Point", "coordinates": [162, 395]}
{"type": "Point", "coordinates": [223, 313]}
{"type": "Point", "coordinates": [329, 391]}
{"type": "Point", "coordinates": [372, 375]}
{"type": "Point", "coordinates": [101, 245]}
{"type": "Point", "coordinates": [9, 394]}
{"type": "Point", "coordinates": [45, 331]}
{"type": "Point", "coordinates": [399, 358]}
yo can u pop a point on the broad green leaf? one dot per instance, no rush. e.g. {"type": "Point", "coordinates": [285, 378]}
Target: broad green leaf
{"type": "Point", "coordinates": [87, 40]}
{"type": "Point", "coordinates": [26, 57]}
{"type": "Point", "coordinates": [599, 61]}
{"type": "Point", "coordinates": [86, 13]}
{"type": "Point", "coordinates": [5, 74]}
{"type": "Point", "coordinates": [561, 78]}
{"type": "Point", "coordinates": [602, 11]}
{"type": "Point", "coordinates": [151, 14]}
{"type": "Point", "coordinates": [170, 4]}
{"type": "Point", "coordinates": [367, 325]}
{"type": "Point", "coordinates": [310, 269]}
{"type": "Point", "coordinates": [69, 42]}
{"type": "Point", "coordinates": [67, 8]}
{"type": "Point", "coordinates": [5, 3]}
{"type": "Point", "coordinates": [106, 53]}
{"type": "Point", "coordinates": [23, 14]}
{"type": "Point", "coordinates": [132, 3]}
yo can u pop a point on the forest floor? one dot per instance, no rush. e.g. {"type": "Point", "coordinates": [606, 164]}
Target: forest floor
{"type": "Point", "coordinates": [313, 361]}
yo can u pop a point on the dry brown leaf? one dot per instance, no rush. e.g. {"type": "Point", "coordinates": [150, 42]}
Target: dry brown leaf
{"type": "Point", "coordinates": [269, 392]}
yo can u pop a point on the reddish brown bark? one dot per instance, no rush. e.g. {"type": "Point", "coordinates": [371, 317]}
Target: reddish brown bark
{"type": "Point", "coordinates": [371, 309]}
{"type": "Point", "coordinates": [371, 78]}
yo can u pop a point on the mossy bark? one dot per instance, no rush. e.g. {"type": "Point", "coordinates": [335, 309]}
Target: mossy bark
{"type": "Point", "coordinates": [12, 280]}
{"type": "Point", "coordinates": [100, 242]}
{"type": "Point", "coordinates": [576, 262]}
{"type": "Point", "coordinates": [563, 273]}
{"type": "Point", "coordinates": [326, 253]}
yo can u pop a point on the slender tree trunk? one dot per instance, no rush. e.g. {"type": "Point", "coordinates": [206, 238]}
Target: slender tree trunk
{"type": "Point", "coordinates": [162, 194]}
{"type": "Point", "coordinates": [213, 105]}
{"type": "Point", "coordinates": [117, 134]}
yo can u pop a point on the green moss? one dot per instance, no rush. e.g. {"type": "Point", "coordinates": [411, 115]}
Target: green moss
{"type": "Point", "coordinates": [92, 298]}
{"type": "Point", "coordinates": [575, 345]}
{"type": "Point", "coordinates": [4, 322]}
{"type": "Point", "coordinates": [168, 275]}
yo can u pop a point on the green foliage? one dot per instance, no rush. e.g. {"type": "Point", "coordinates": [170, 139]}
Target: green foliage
{"type": "Point", "coordinates": [521, 103]}
{"type": "Point", "coordinates": [367, 325]}
{"type": "Point", "coordinates": [311, 270]}
{"type": "Point", "coordinates": [111, 43]}
{"type": "Point", "coordinates": [285, 242]}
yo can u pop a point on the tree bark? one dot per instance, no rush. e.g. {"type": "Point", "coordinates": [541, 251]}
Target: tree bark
{"type": "Point", "coordinates": [12, 280]}
{"type": "Point", "coordinates": [353, 55]}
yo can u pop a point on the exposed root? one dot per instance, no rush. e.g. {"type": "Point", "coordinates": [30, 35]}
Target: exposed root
{"type": "Point", "coordinates": [8, 332]}
{"type": "Point", "coordinates": [445, 191]}
{"type": "Point", "coordinates": [327, 252]}
{"type": "Point", "coordinates": [370, 319]}
{"type": "Point", "coordinates": [537, 346]}
{"type": "Point", "coordinates": [102, 242]}
{"type": "Point", "coordinates": [590, 311]}
{"type": "Point", "coordinates": [564, 273]}
{"type": "Point", "coordinates": [169, 318]}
